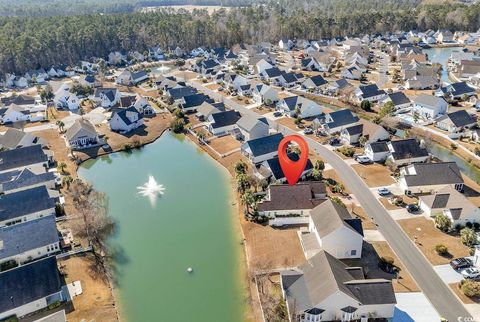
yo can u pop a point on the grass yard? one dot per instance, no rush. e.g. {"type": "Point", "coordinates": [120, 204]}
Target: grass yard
{"type": "Point", "coordinates": [224, 144]}
{"type": "Point", "coordinates": [465, 299]}
{"type": "Point", "coordinates": [428, 237]}
{"type": "Point", "coordinates": [374, 175]}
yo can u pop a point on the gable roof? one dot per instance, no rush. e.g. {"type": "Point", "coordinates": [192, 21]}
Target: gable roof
{"type": "Point", "coordinates": [379, 147]}
{"type": "Point", "coordinates": [273, 72]}
{"type": "Point", "coordinates": [329, 216]}
{"type": "Point", "coordinates": [449, 198]}
{"type": "Point", "coordinates": [355, 129]}
{"type": "Point", "coordinates": [299, 196]}
{"type": "Point", "coordinates": [370, 90]}
{"type": "Point", "coordinates": [265, 145]}
{"type": "Point", "coordinates": [291, 102]}
{"type": "Point", "coordinates": [13, 138]}
{"type": "Point", "coordinates": [407, 149]}
{"type": "Point", "coordinates": [225, 118]}
{"type": "Point", "coordinates": [25, 202]}
{"type": "Point", "coordinates": [123, 114]}
{"type": "Point", "coordinates": [18, 100]}
{"type": "Point", "coordinates": [21, 157]}
{"type": "Point", "coordinates": [80, 124]}
{"type": "Point", "coordinates": [422, 174]}
{"type": "Point", "coordinates": [276, 170]}
{"type": "Point", "coordinates": [195, 100]}
{"type": "Point", "coordinates": [28, 236]}
{"type": "Point", "coordinates": [457, 89]}
{"type": "Point", "coordinates": [342, 117]}
{"type": "Point", "coordinates": [459, 118]}
{"type": "Point", "coordinates": [179, 92]}
{"type": "Point", "coordinates": [399, 98]}
{"type": "Point", "coordinates": [317, 80]}
{"type": "Point", "coordinates": [428, 100]}
{"type": "Point", "coordinates": [29, 283]}
{"type": "Point", "coordinates": [248, 122]}
{"type": "Point", "coordinates": [23, 178]}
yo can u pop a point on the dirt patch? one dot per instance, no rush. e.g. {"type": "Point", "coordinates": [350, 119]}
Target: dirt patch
{"type": "Point", "coordinates": [224, 144]}
{"type": "Point", "coordinates": [374, 175]}
{"type": "Point", "coordinates": [388, 205]}
{"type": "Point", "coordinates": [465, 299]}
{"type": "Point", "coordinates": [213, 86]}
{"type": "Point", "coordinates": [332, 174]}
{"type": "Point", "coordinates": [271, 297]}
{"type": "Point", "coordinates": [96, 303]}
{"type": "Point", "coordinates": [427, 237]}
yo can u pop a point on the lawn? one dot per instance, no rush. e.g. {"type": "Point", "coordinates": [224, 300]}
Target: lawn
{"type": "Point", "coordinates": [374, 175]}
{"type": "Point", "coordinates": [428, 237]}
{"type": "Point", "coordinates": [224, 144]}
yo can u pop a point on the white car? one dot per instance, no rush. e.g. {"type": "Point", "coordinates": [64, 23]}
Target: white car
{"type": "Point", "coordinates": [363, 159]}
{"type": "Point", "coordinates": [383, 191]}
{"type": "Point", "coordinates": [471, 272]}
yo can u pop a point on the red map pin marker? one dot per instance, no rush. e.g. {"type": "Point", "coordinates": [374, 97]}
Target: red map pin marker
{"type": "Point", "coordinates": [292, 169]}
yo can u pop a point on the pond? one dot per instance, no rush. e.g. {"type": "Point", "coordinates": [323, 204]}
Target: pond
{"type": "Point", "coordinates": [441, 56]}
{"type": "Point", "coordinates": [191, 225]}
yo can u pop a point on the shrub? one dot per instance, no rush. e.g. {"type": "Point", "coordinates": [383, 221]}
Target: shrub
{"type": "Point", "coordinates": [441, 249]}
{"type": "Point", "coordinates": [469, 225]}
{"type": "Point", "coordinates": [453, 146]}
{"type": "Point", "coordinates": [470, 288]}
{"type": "Point", "coordinates": [177, 125]}
{"type": "Point", "coordinates": [476, 225]}
{"type": "Point", "coordinates": [468, 236]}
{"type": "Point", "coordinates": [178, 113]}
{"type": "Point", "coordinates": [442, 222]}
{"type": "Point", "coordinates": [337, 201]}
{"type": "Point", "coordinates": [8, 265]}
{"type": "Point", "coordinates": [347, 151]}
{"type": "Point", "coordinates": [458, 227]}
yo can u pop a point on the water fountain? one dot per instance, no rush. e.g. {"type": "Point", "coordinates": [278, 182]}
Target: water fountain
{"type": "Point", "coordinates": [163, 69]}
{"type": "Point", "coordinates": [151, 189]}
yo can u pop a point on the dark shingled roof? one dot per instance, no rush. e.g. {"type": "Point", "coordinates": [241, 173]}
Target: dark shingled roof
{"type": "Point", "coordinates": [459, 118]}
{"type": "Point", "coordinates": [18, 100]}
{"type": "Point", "coordinates": [407, 149]}
{"type": "Point", "coordinates": [29, 283]}
{"type": "Point", "coordinates": [25, 202]}
{"type": "Point", "coordinates": [273, 72]}
{"type": "Point", "coordinates": [370, 90]}
{"type": "Point", "coordinates": [342, 117]}
{"type": "Point", "coordinates": [458, 89]}
{"type": "Point", "coordinates": [265, 145]}
{"type": "Point", "coordinates": [276, 169]}
{"type": "Point", "coordinates": [225, 118]}
{"type": "Point", "coordinates": [355, 130]}
{"type": "Point", "coordinates": [18, 179]}
{"type": "Point", "coordinates": [399, 98]}
{"type": "Point", "coordinates": [318, 80]}
{"type": "Point", "coordinates": [434, 174]}
{"type": "Point", "coordinates": [379, 147]}
{"type": "Point", "coordinates": [299, 196]}
{"type": "Point", "coordinates": [28, 236]}
{"type": "Point", "coordinates": [179, 92]}
{"type": "Point", "coordinates": [22, 157]}
{"type": "Point", "coordinates": [440, 201]}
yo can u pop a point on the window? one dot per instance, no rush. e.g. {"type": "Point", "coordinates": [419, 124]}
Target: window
{"type": "Point", "coordinates": [353, 252]}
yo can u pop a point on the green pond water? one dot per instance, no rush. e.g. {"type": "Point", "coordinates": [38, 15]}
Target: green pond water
{"type": "Point", "coordinates": [191, 225]}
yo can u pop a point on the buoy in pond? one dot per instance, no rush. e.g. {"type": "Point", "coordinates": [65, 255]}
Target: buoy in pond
{"type": "Point", "coordinates": [189, 269]}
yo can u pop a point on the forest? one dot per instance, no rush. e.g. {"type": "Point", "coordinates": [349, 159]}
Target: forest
{"type": "Point", "coordinates": [29, 43]}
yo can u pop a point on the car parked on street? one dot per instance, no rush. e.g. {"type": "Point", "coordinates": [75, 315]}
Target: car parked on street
{"type": "Point", "coordinates": [460, 263]}
{"type": "Point", "coordinates": [277, 114]}
{"type": "Point", "coordinates": [383, 191]}
{"type": "Point", "coordinates": [471, 273]}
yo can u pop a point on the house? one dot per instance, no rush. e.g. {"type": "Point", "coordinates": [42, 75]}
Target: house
{"type": "Point", "coordinates": [17, 180]}
{"type": "Point", "coordinates": [335, 231]}
{"type": "Point", "coordinates": [30, 240]}
{"type": "Point", "coordinates": [190, 103]}
{"type": "Point", "coordinates": [262, 65]}
{"type": "Point", "coordinates": [352, 73]}
{"type": "Point", "coordinates": [271, 74]}
{"type": "Point", "coordinates": [205, 110]}
{"type": "Point", "coordinates": [265, 94]}
{"type": "Point", "coordinates": [335, 122]}
{"type": "Point", "coordinates": [18, 100]}
{"type": "Point", "coordinates": [311, 64]}
{"type": "Point", "coordinates": [451, 203]}
{"type": "Point", "coordinates": [444, 36]}
{"type": "Point", "coordinates": [126, 120]}
{"type": "Point", "coordinates": [156, 53]}
{"type": "Point", "coordinates": [338, 86]}
{"type": "Point", "coordinates": [30, 287]}
{"type": "Point", "coordinates": [245, 90]}
{"type": "Point", "coordinates": [178, 93]}
{"type": "Point", "coordinates": [370, 131]}
{"type": "Point", "coordinates": [377, 151]}
{"type": "Point", "coordinates": [314, 83]}
{"type": "Point", "coordinates": [305, 107]}
{"type": "Point", "coordinates": [400, 101]}
{"type": "Point", "coordinates": [21, 108]}
{"type": "Point", "coordinates": [252, 128]}
{"type": "Point", "coordinates": [420, 178]}
{"type": "Point", "coordinates": [291, 205]}
{"type": "Point", "coordinates": [129, 78]}
{"type": "Point", "coordinates": [14, 113]}
{"type": "Point", "coordinates": [369, 93]}
{"type": "Point", "coordinates": [286, 44]}
{"type": "Point", "coordinates": [82, 135]}
{"type": "Point", "coordinates": [65, 99]}
{"type": "Point", "coordinates": [286, 80]}
{"type": "Point", "coordinates": [107, 97]}
{"type": "Point", "coordinates": [271, 170]}
{"type": "Point", "coordinates": [429, 107]}
{"type": "Point", "coordinates": [207, 67]}
{"type": "Point", "coordinates": [13, 139]}
{"type": "Point", "coordinates": [25, 205]}
{"type": "Point", "coordinates": [456, 91]}
{"type": "Point", "coordinates": [142, 106]}
{"type": "Point", "coordinates": [261, 149]}
{"type": "Point", "coordinates": [24, 157]}
{"type": "Point", "coordinates": [456, 122]}
{"type": "Point", "coordinates": [325, 289]}
{"type": "Point", "coordinates": [406, 151]}
{"type": "Point", "coordinates": [422, 82]}
{"type": "Point", "coordinates": [223, 123]}
{"type": "Point", "coordinates": [234, 81]}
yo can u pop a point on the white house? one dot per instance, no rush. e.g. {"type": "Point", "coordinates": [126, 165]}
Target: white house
{"type": "Point", "coordinates": [307, 108]}
{"type": "Point", "coordinates": [406, 151]}
{"type": "Point", "coordinates": [400, 101]}
{"type": "Point", "coordinates": [262, 65]}
{"type": "Point", "coordinates": [325, 289]}
{"type": "Point", "coordinates": [265, 94]}
{"type": "Point", "coordinates": [420, 178]}
{"type": "Point", "coordinates": [126, 120]}
{"type": "Point", "coordinates": [370, 93]}
{"type": "Point", "coordinates": [223, 123]}
{"type": "Point", "coordinates": [261, 149]}
{"type": "Point", "coordinates": [291, 205]}
{"type": "Point", "coordinates": [252, 128]}
{"type": "Point", "coordinates": [82, 135]}
{"type": "Point", "coordinates": [311, 64]}
{"type": "Point", "coordinates": [451, 203]}
{"type": "Point", "coordinates": [377, 151]}
{"type": "Point", "coordinates": [429, 107]}
{"type": "Point", "coordinates": [64, 98]}
{"type": "Point", "coordinates": [456, 122]}
{"type": "Point", "coordinates": [30, 287]}
{"type": "Point", "coordinates": [370, 131]}
{"type": "Point", "coordinates": [336, 121]}
{"type": "Point", "coordinates": [129, 78]}
{"type": "Point", "coordinates": [107, 97]}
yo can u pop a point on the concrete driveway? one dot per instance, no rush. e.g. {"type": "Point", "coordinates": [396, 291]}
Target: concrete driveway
{"type": "Point", "coordinates": [414, 307]}
{"type": "Point", "coordinates": [448, 274]}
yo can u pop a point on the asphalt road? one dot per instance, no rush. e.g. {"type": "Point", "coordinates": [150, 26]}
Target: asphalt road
{"type": "Point", "coordinates": [382, 70]}
{"type": "Point", "coordinates": [438, 293]}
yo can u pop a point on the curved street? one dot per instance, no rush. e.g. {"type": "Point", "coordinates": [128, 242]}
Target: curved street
{"type": "Point", "coordinates": [439, 294]}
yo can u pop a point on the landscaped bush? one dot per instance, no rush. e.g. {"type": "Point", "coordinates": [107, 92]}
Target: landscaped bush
{"type": "Point", "coordinates": [476, 225]}
{"type": "Point", "coordinates": [8, 265]}
{"type": "Point", "coordinates": [387, 264]}
{"type": "Point", "coordinates": [469, 225]}
{"type": "Point", "coordinates": [468, 236]}
{"type": "Point", "coordinates": [441, 249]}
{"type": "Point", "coordinates": [347, 151]}
{"type": "Point", "coordinates": [177, 125]}
{"type": "Point", "coordinates": [470, 288]}
{"type": "Point", "coordinates": [458, 227]}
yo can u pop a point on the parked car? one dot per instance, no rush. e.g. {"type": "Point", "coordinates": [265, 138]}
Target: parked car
{"type": "Point", "coordinates": [277, 114]}
{"type": "Point", "coordinates": [460, 263]}
{"type": "Point", "coordinates": [471, 272]}
{"type": "Point", "coordinates": [363, 159]}
{"type": "Point", "coordinates": [334, 141]}
{"type": "Point", "coordinates": [383, 191]}
{"type": "Point", "coordinates": [413, 208]}
{"type": "Point", "coordinates": [308, 130]}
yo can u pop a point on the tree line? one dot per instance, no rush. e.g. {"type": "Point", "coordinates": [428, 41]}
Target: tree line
{"type": "Point", "coordinates": [30, 43]}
